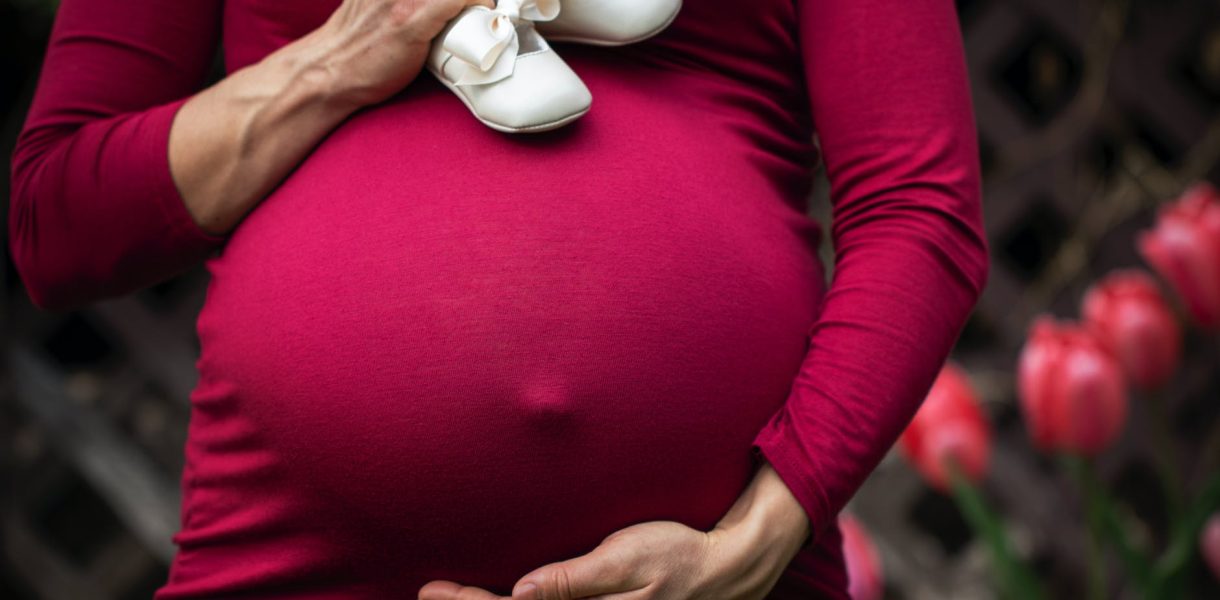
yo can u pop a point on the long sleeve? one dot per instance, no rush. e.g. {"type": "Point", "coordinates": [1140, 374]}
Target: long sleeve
{"type": "Point", "coordinates": [891, 104]}
{"type": "Point", "coordinates": [94, 211]}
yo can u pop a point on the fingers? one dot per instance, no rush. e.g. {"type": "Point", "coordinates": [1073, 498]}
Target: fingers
{"type": "Point", "coordinates": [606, 570]}
{"type": "Point", "coordinates": [448, 9]}
{"type": "Point", "coordinates": [430, 16]}
{"type": "Point", "coordinates": [448, 590]}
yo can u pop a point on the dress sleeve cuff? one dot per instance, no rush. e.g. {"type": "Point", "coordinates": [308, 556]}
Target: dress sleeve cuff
{"type": "Point", "coordinates": [155, 148]}
{"type": "Point", "coordinates": [778, 445]}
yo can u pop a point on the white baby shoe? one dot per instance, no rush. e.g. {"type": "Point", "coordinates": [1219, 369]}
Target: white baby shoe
{"type": "Point", "coordinates": [610, 22]}
{"type": "Point", "coordinates": [505, 73]}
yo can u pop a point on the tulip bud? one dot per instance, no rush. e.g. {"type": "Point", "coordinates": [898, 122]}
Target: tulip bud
{"type": "Point", "coordinates": [1184, 247]}
{"type": "Point", "coordinates": [1209, 544]}
{"type": "Point", "coordinates": [948, 426]}
{"type": "Point", "coordinates": [1131, 318]}
{"type": "Point", "coordinates": [864, 577]}
{"type": "Point", "coordinates": [1071, 389]}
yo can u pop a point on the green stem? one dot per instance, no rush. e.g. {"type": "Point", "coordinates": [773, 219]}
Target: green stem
{"type": "Point", "coordinates": [1080, 470]}
{"type": "Point", "coordinates": [1182, 544]}
{"type": "Point", "coordinates": [1167, 454]}
{"type": "Point", "coordinates": [1096, 556]}
{"type": "Point", "coordinates": [1016, 582]}
{"type": "Point", "coordinates": [1105, 523]}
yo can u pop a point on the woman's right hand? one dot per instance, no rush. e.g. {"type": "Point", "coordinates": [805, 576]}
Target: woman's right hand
{"type": "Point", "coordinates": [371, 49]}
{"type": "Point", "coordinates": [232, 143]}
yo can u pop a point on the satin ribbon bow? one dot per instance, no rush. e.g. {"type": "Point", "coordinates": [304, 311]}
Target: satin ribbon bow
{"type": "Point", "coordinates": [485, 39]}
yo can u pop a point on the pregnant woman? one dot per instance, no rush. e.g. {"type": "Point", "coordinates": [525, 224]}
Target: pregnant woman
{"type": "Point", "coordinates": [600, 359]}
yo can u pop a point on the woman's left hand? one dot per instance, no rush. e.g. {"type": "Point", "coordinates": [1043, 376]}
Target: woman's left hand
{"type": "Point", "coordinates": [742, 558]}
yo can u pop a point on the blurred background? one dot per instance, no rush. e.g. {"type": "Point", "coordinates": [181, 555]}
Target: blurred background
{"type": "Point", "coordinates": [1091, 114]}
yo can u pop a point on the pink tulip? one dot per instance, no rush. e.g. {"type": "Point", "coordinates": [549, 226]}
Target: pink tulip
{"type": "Point", "coordinates": [1132, 319]}
{"type": "Point", "coordinates": [1184, 247]}
{"type": "Point", "coordinates": [1071, 389]}
{"type": "Point", "coordinates": [949, 426]}
{"type": "Point", "coordinates": [1209, 544]}
{"type": "Point", "coordinates": [864, 576]}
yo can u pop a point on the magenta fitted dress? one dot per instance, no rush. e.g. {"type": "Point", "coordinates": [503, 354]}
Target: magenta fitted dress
{"type": "Point", "coordinates": [436, 351]}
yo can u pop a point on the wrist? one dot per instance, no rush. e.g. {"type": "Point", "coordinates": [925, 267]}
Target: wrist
{"type": "Point", "coordinates": [756, 540]}
{"type": "Point", "coordinates": [306, 75]}
{"type": "Point", "coordinates": [767, 513]}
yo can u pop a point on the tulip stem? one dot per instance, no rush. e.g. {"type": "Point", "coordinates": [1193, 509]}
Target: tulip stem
{"type": "Point", "coordinates": [1016, 581]}
{"type": "Point", "coordinates": [1080, 468]}
{"type": "Point", "coordinates": [1096, 556]}
{"type": "Point", "coordinates": [1182, 543]}
{"type": "Point", "coordinates": [1104, 523]}
{"type": "Point", "coordinates": [1166, 452]}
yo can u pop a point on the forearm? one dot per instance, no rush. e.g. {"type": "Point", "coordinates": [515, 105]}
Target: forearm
{"type": "Point", "coordinates": [896, 130]}
{"type": "Point", "coordinates": [232, 143]}
{"type": "Point", "coordinates": [125, 173]}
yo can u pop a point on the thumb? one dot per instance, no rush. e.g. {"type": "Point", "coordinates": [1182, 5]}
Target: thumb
{"type": "Point", "coordinates": [603, 571]}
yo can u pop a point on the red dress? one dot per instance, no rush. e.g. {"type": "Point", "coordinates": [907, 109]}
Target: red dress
{"type": "Point", "coordinates": [437, 351]}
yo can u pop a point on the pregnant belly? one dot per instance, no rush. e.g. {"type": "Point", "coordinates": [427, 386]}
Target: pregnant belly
{"type": "Point", "coordinates": [470, 354]}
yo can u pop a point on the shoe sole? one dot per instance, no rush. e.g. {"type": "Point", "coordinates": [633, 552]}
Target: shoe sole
{"type": "Point", "coordinates": [600, 42]}
{"type": "Point", "coordinates": [556, 124]}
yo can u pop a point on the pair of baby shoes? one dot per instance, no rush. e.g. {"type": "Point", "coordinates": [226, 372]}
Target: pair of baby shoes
{"type": "Point", "coordinates": [497, 62]}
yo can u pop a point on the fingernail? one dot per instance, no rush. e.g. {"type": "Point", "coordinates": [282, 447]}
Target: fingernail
{"type": "Point", "coordinates": [525, 591]}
